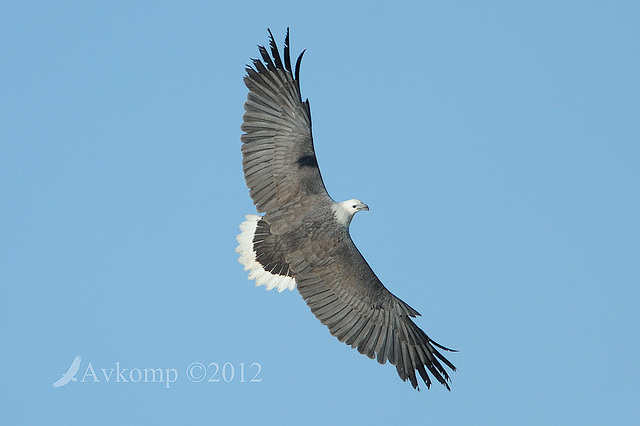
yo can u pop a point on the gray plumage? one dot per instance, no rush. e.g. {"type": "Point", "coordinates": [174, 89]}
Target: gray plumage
{"type": "Point", "coordinates": [304, 234]}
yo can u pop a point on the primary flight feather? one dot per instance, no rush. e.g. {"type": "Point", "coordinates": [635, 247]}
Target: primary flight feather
{"type": "Point", "coordinates": [303, 240]}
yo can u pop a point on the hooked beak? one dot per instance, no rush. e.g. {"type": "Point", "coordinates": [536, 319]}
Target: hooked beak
{"type": "Point", "coordinates": [365, 207]}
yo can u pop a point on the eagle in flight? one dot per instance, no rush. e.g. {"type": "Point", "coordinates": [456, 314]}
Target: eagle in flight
{"type": "Point", "coordinates": [302, 239]}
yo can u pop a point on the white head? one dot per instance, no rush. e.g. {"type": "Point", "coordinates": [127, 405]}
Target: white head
{"type": "Point", "coordinates": [345, 210]}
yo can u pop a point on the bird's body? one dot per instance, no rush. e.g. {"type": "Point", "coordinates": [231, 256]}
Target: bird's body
{"type": "Point", "coordinates": [303, 237]}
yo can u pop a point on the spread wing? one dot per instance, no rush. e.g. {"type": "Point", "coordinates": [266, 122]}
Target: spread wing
{"type": "Point", "coordinates": [75, 366]}
{"type": "Point", "coordinates": [281, 171]}
{"type": "Point", "coordinates": [279, 161]}
{"type": "Point", "coordinates": [61, 381]}
{"type": "Point", "coordinates": [344, 293]}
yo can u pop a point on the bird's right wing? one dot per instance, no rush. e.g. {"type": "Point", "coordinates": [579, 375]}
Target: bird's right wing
{"type": "Point", "coordinates": [75, 365]}
{"type": "Point", "coordinates": [279, 161]}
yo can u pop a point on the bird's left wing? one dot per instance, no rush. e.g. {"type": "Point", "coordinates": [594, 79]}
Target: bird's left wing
{"type": "Point", "coordinates": [344, 293]}
{"type": "Point", "coordinates": [61, 382]}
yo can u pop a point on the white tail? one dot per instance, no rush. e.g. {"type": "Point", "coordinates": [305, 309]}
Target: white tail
{"type": "Point", "coordinates": [248, 258]}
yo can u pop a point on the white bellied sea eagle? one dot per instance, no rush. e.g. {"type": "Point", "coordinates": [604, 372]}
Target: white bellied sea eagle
{"type": "Point", "coordinates": [302, 239]}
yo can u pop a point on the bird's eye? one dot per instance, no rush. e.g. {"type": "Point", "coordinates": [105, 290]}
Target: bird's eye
{"type": "Point", "coordinates": [354, 206]}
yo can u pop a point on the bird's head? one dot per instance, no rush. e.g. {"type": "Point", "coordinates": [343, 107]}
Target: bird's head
{"type": "Point", "coordinates": [356, 205]}
{"type": "Point", "coordinates": [345, 210]}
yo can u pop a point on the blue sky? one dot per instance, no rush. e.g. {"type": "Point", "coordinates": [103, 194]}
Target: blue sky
{"type": "Point", "coordinates": [496, 143]}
